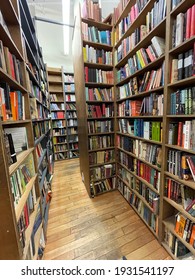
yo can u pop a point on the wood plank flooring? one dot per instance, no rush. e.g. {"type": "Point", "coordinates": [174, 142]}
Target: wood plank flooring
{"type": "Point", "coordinates": [103, 228]}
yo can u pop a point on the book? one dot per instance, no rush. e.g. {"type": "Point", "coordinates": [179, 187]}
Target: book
{"type": "Point", "coordinates": [159, 45]}
{"type": "Point", "coordinates": [19, 136]}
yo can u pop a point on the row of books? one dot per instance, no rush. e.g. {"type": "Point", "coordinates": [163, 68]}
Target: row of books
{"type": "Point", "coordinates": [93, 34]}
{"type": "Point", "coordinates": [179, 193]}
{"type": "Point", "coordinates": [148, 81]}
{"type": "Point", "coordinates": [60, 148]}
{"type": "Point", "coordinates": [35, 91]}
{"type": "Point", "coordinates": [59, 131]}
{"type": "Point", "coordinates": [182, 134]}
{"type": "Point", "coordinates": [73, 138]}
{"type": "Point", "coordinates": [182, 67]}
{"type": "Point", "coordinates": [104, 171]}
{"type": "Point", "coordinates": [69, 88]}
{"type": "Point", "coordinates": [73, 146]}
{"type": "Point", "coordinates": [135, 9]}
{"type": "Point", "coordinates": [147, 130]}
{"type": "Point", "coordinates": [185, 228]}
{"type": "Point", "coordinates": [68, 78]}
{"type": "Point", "coordinates": [137, 186]}
{"type": "Point", "coordinates": [175, 3]}
{"type": "Point", "coordinates": [55, 97]}
{"type": "Point", "coordinates": [59, 124]}
{"type": "Point", "coordinates": [71, 115]}
{"type": "Point", "coordinates": [178, 249]}
{"type": "Point", "coordinates": [143, 150]}
{"type": "Point", "coordinates": [12, 104]}
{"type": "Point", "coordinates": [37, 110]}
{"type": "Point", "coordinates": [98, 76]}
{"type": "Point", "coordinates": [72, 123]}
{"type": "Point", "coordinates": [72, 130]}
{"type": "Point", "coordinates": [93, 55]}
{"type": "Point", "coordinates": [100, 126]}
{"type": "Point", "coordinates": [103, 186]}
{"type": "Point", "coordinates": [56, 106]}
{"type": "Point", "coordinates": [10, 64]}
{"type": "Point", "coordinates": [71, 107]}
{"type": "Point", "coordinates": [101, 157]}
{"type": "Point", "coordinates": [40, 128]}
{"type": "Point", "coordinates": [61, 155]}
{"type": "Point", "coordinates": [151, 175]}
{"type": "Point", "coordinates": [151, 105]}
{"type": "Point", "coordinates": [91, 10]}
{"type": "Point", "coordinates": [181, 164]}
{"type": "Point", "coordinates": [57, 115]}
{"type": "Point", "coordinates": [59, 139]}
{"type": "Point", "coordinates": [99, 94]}
{"type": "Point", "coordinates": [100, 142]}
{"type": "Point", "coordinates": [147, 215]}
{"type": "Point", "coordinates": [99, 111]}
{"type": "Point", "coordinates": [70, 97]}
{"type": "Point", "coordinates": [141, 59]}
{"type": "Point", "coordinates": [183, 102]}
{"type": "Point", "coordinates": [183, 27]}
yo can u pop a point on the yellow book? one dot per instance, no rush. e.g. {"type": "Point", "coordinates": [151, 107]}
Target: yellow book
{"type": "Point", "coordinates": [140, 59]}
{"type": "Point", "coordinates": [84, 54]}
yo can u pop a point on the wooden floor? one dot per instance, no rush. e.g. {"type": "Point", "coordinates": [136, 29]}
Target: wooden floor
{"type": "Point", "coordinates": [103, 228]}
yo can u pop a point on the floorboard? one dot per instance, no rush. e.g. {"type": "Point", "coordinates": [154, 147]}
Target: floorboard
{"type": "Point", "coordinates": [103, 228]}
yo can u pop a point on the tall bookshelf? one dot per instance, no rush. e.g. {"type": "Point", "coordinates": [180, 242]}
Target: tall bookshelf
{"type": "Point", "coordinates": [22, 215]}
{"type": "Point", "coordinates": [95, 104]}
{"type": "Point", "coordinates": [154, 106]}
{"type": "Point", "coordinates": [58, 116]}
{"type": "Point", "coordinates": [71, 115]}
{"type": "Point", "coordinates": [179, 118]}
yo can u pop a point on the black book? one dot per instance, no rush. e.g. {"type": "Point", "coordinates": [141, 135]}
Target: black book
{"type": "Point", "coordinates": [186, 66]}
{"type": "Point", "coordinates": [180, 66]}
{"type": "Point", "coordinates": [12, 149]}
{"type": "Point", "coordinates": [190, 63]}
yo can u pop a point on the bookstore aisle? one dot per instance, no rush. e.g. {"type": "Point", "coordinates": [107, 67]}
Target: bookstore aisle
{"type": "Point", "coordinates": [102, 228]}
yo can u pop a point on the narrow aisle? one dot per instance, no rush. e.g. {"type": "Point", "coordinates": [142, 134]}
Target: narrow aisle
{"type": "Point", "coordinates": [101, 228]}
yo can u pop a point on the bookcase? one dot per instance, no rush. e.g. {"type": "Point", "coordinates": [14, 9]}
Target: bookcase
{"type": "Point", "coordinates": [25, 180]}
{"type": "Point", "coordinates": [153, 99]}
{"type": "Point", "coordinates": [71, 115]}
{"type": "Point", "coordinates": [92, 52]}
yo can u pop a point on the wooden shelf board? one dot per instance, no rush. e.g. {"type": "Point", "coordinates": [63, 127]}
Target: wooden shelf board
{"type": "Point", "coordinates": [180, 148]}
{"type": "Point", "coordinates": [101, 149]}
{"type": "Point", "coordinates": [139, 138]}
{"type": "Point", "coordinates": [97, 45]}
{"type": "Point", "coordinates": [23, 199]}
{"type": "Point", "coordinates": [20, 159]}
{"type": "Point", "coordinates": [98, 66]}
{"type": "Point", "coordinates": [188, 183]}
{"type": "Point", "coordinates": [99, 25]}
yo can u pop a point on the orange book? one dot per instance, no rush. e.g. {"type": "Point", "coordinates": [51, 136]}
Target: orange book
{"type": "Point", "coordinates": [14, 104]}
{"type": "Point", "coordinates": [2, 104]}
{"type": "Point", "coordinates": [192, 238]}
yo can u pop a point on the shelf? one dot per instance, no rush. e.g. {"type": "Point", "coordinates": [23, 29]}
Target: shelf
{"type": "Point", "coordinates": [29, 230]}
{"type": "Point", "coordinates": [99, 25]}
{"type": "Point", "coordinates": [179, 208]}
{"type": "Point", "coordinates": [185, 46]}
{"type": "Point", "coordinates": [151, 65]}
{"type": "Point", "coordinates": [180, 148]}
{"type": "Point", "coordinates": [189, 183]}
{"type": "Point", "coordinates": [137, 194]}
{"type": "Point", "coordinates": [139, 117]}
{"type": "Point", "coordinates": [140, 179]}
{"type": "Point", "coordinates": [185, 82]}
{"type": "Point", "coordinates": [100, 133]}
{"type": "Point", "coordinates": [97, 45]}
{"type": "Point", "coordinates": [62, 143]}
{"type": "Point", "coordinates": [170, 224]}
{"type": "Point", "coordinates": [101, 149]}
{"type": "Point", "coordinates": [102, 163]}
{"type": "Point", "coordinates": [98, 85]}
{"type": "Point", "coordinates": [180, 116]}
{"type": "Point", "coordinates": [99, 118]}
{"type": "Point", "coordinates": [181, 7]}
{"type": "Point", "coordinates": [102, 179]}
{"type": "Point", "coordinates": [43, 176]}
{"type": "Point", "coordinates": [41, 158]}
{"type": "Point", "coordinates": [124, 12]}
{"type": "Point", "coordinates": [139, 138]}
{"type": "Point", "coordinates": [12, 83]}
{"type": "Point", "coordinates": [10, 122]}
{"type": "Point", "coordinates": [22, 201]}
{"type": "Point", "coordinates": [146, 41]}
{"type": "Point", "coordinates": [98, 66]}
{"type": "Point", "coordinates": [63, 151]}
{"type": "Point", "coordinates": [20, 159]}
{"type": "Point", "coordinates": [99, 101]}
{"type": "Point", "coordinates": [139, 158]}
{"type": "Point", "coordinates": [168, 250]}
{"type": "Point", "coordinates": [141, 94]}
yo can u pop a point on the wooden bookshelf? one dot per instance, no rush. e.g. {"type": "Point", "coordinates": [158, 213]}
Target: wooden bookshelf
{"type": "Point", "coordinates": [29, 80]}
{"type": "Point", "coordinates": [85, 103]}
{"type": "Point", "coordinates": [134, 84]}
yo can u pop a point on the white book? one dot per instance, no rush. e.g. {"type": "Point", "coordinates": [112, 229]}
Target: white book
{"type": "Point", "coordinates": [147, 130]}
{"type": "Point", "coordinates": [179, 29]}
{"type": "Point", "coordinates": [159, 45]}
{"type": "Point", "coordinates": [187, 134]}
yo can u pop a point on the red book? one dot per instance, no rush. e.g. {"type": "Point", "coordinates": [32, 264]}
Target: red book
{"type": "Point", "coordinates": [14, 104]}
{"type": "Point", "coordinates": [86, 74]}
{"type": "Point", "coordinates": [12, 66]}
{"type": "Point", "coordinates": [180, 132]}
{"type": "Point", "coordinates": [192, 238]}
{"type": "Point", "coordinates": [169, 188]}
{"type": "Point", "coordinates": [192, 29]}
{"type": "Point", "coordinates": [188, 23]}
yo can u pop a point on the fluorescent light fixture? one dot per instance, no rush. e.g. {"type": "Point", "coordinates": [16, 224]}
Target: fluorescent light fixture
{"type": "Point", "coordinates": [66, 29]}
